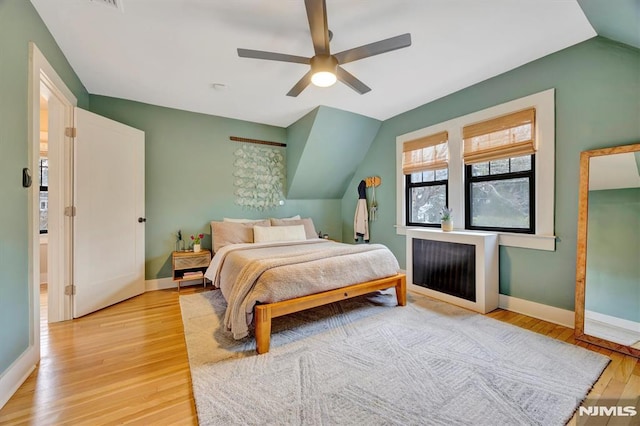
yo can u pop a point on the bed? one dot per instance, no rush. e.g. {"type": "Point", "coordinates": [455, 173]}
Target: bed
{"type": "Point", "coordinates": [263, 278]}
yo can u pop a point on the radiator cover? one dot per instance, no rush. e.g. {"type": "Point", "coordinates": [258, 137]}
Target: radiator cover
{"type": "Point", "coordinates": [459, 267]}
{"type": "Point", "coordinates": [445, 267]}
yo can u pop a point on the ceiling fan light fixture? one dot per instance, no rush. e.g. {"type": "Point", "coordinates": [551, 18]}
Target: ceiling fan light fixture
{"type": "Point", "coordinates": [324, 70]}
{"type": "Point", "coordinates": [323, 79]}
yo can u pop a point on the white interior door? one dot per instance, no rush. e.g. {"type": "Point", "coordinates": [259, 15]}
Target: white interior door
{"type": "Point", "coordinates": [108, 260]}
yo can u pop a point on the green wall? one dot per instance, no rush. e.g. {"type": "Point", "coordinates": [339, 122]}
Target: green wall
{"type": "Point", "coordinates": [617, 20]}
{"type": "Point", "coordinates": [19, 24]}
{"type": "Point", "coordinates": [189, 175]}
{"type": "Point", "coordinates": [613, 247]}
{"type": "Point", "coordinates": [334, 146]}
{"type": "Point", "coordinates": [297, 136]}
{"type": "Point", "coordinates": [597, 86]}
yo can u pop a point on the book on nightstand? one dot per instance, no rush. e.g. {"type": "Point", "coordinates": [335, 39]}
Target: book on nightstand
{"type": "Point", "coordinates": [193, 275]}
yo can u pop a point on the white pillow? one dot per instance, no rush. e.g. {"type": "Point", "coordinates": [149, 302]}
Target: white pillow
{"type": "Point", "coordinates": [262, 234]}
{"type": "Point", "coordinates": [310, 230]}
{"type": "Point", "coordinates": [296, 217]}
{"type": "Point", "coordinates": [227, 219]}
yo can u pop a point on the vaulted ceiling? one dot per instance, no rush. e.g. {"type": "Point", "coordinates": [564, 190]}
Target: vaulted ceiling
{"type": "Point", "coordinates": [183, 53]}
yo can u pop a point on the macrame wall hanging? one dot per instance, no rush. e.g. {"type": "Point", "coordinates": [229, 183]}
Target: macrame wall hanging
{"type": "Point", "coordinates": [259, 175]}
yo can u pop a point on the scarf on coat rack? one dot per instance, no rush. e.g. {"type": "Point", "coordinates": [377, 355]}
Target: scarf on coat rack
{"type": "Point", "coordinates": [373, 208]}
{"type": "Point", "coordinates": [361, 218]}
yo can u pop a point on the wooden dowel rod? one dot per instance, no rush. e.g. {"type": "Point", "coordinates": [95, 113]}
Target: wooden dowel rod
{"type": "Point", "coordinates": [257, 141]}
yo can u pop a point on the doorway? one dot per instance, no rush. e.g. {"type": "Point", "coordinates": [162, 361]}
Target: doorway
{"type": "Point", "coordinates": [82, 149]}
{"type": "Point", "coordinates": [51, 106]}
{"type": "Point", "coordinates": [42, 180]}
{"type": "Point", "coordinates": [50, 181]}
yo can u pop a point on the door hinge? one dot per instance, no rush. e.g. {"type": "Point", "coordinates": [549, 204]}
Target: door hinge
{"type": "Point", "coordinates": [70, 132]}
{"type": "Point", "coordinates": [70, 211]}
{"type": "Point", "coordinates": [70, 290]}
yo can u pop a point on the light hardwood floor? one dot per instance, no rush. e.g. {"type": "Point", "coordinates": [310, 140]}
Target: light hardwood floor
{"type": "Point", "coordinates": [128, 364]}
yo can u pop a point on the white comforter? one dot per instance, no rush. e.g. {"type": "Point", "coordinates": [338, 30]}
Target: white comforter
{"type": "Point", "coordinates": [271, 272]}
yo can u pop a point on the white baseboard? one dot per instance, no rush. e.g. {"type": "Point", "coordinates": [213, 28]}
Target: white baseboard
{"type": "Point", "coordinates": [533, 309]}
{"type": "Point", "coordinates": [538, 310]}
{"type": "Point", "coordinates": [159, 284]}
{"type": "Point", "coordinates": [17, 373]}
{"type": "Point", "coordinates": [165, 283]}
{"type": "Point", "coordinates": [615, 321]}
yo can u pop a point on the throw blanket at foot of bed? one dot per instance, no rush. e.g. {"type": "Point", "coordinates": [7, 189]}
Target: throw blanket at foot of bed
{"type": "Point", "coordinates": [282, 274]}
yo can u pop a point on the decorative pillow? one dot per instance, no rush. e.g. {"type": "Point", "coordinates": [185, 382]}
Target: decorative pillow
{"type": "Point", "coordinates": [224, 233]}
{"type": "Point", "coordinates": [278, 233]}
{"type": "Point", "coordinates": [227, 219]}
{"type": "Point", "coordinates": [309, 229]}
{"type": "Point", "coordinates": [296, 217]}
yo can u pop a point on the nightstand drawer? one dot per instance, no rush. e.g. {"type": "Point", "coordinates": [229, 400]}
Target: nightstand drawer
{"type": "Point", "coordinates": [191, 261]}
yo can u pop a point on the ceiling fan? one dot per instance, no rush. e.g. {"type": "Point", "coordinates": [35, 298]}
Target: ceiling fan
{"type": "Point", "coordinates": [325, 67]}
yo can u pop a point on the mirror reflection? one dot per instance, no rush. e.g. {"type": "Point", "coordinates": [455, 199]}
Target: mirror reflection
{"type": "Point", "coordinates": [612, 284]}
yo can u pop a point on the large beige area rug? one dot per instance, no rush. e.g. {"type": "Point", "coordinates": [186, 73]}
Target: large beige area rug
{"type": "Point", "coordinates": [367, 362]}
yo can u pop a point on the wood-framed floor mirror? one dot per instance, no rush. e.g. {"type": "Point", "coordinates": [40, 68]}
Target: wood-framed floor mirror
{"type": "Point", "coordinates": [608, 249]}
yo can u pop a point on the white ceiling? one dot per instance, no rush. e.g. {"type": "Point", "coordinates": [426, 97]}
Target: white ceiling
{"type": "Point", "coordinates": [170, 52]}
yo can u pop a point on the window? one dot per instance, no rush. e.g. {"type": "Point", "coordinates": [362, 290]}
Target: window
{"type": "Point", "coordinates": [499, 195]}
{"type": "Point", "coordinates": [523, 171]}
{"type": "Point", "coordinates": [500, 173]}
{"type": "Point", "coordinates": [44, 194]}
{"type": "Point", "coordinates": [427, 194]}
{"type": "Point", "coordinates": [424, 164]}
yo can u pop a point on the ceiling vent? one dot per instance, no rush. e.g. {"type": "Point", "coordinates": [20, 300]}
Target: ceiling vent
{"type": "Point", "coordinates": [116, 4]}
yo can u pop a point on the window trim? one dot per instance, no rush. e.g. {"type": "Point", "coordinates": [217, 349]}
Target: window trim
{"type": "Point", "coordinates": [544, 103]}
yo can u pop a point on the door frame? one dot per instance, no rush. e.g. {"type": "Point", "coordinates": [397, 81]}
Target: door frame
{"type": "Point", "coordinates": [42, 73]}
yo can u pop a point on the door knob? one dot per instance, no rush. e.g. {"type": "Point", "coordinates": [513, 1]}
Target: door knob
{"type": "Point", "coordinates": [142, 219]}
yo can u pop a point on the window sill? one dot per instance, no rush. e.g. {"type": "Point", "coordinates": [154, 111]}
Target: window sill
{"type": "Point", "coordinates": [536, 242]}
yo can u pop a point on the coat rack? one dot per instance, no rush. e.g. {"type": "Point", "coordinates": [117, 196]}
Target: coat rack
{"type": "Point", "coordinates": [373, 181]}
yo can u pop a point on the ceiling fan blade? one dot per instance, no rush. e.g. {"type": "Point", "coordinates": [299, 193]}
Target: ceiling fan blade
{"type": "Point", "coordinates": [317, 15]}
{"type": "Point", "coordinates": [372, 49]}
{"type": "Point", "coordinates": [300, 85]}
{"type": "Point", "coordinates": [348, 79]}
{"type": "Point", "coordinates": [271, 56]}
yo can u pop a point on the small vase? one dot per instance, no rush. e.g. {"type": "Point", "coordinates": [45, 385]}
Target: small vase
{"type": "Point", "coordinates": [447, 225]}
{"type": "Point", "coordinates": [196, 248]}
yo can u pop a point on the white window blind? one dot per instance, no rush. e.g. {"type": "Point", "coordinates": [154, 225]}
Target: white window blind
{"type": "Point", "coordinates": [510, 135]}
{"type": "Point", "coordinates": [426, 153]}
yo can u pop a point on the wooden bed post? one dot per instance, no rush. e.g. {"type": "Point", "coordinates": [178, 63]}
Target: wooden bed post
{"type": "Point", "coordinates": [263, 328]}
{"type": "Point", "coordinates": [401, 291]}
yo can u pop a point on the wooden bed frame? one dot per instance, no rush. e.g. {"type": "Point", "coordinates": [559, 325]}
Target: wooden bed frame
{"type": "Point", "coordinates": [264, 313]}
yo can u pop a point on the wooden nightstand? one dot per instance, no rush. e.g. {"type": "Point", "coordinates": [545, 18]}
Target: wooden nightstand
{"type": "Point", "coordinates": [188, 261]}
